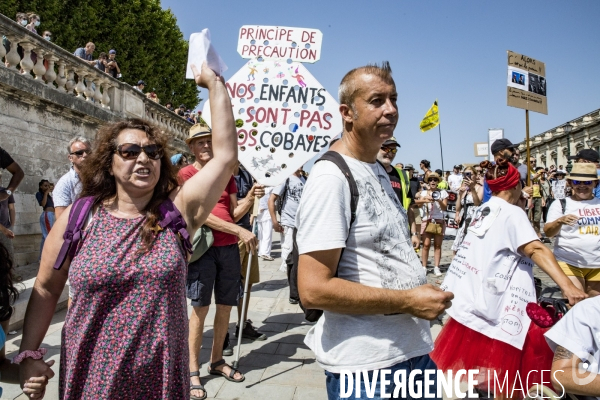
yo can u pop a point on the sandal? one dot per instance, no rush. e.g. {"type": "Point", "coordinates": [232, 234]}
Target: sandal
{"type": "Point", "coordinates": [267, 258]}
{"type": "Point", "coordinates": [213, 371]}
{"type": "Point", "coordinates": [197, 387]}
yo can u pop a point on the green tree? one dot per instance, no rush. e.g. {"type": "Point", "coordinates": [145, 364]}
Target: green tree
{"type": "Point", "coordinates": [149, 44]}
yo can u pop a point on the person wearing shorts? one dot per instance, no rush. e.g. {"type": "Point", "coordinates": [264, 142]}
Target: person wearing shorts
{"type": "Point", "coordinates": [575, 221]}
{"type": "Point", "coordinates": [433, 203]}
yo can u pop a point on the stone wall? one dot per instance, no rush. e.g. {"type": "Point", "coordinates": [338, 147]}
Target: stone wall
{"type": "Point", "coordinates": [43, 106]}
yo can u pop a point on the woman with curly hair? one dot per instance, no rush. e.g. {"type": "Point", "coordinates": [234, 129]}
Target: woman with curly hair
{"type": "Point", "coordinates": [125, 335]}
{"type": "Point", "coordinates": [491, 277]}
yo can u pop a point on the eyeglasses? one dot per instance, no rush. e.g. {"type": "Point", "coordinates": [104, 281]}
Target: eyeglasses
{"type": "Point", "coordinates": [576, 182]}
{"type": "Point", "coordinates": [434, 180]}
{"type": "Point", "coordinates": [79, 153]}
{"type": "Point", "coordinates": [131, 151]}
{"type": "Point", "coordinates": [392, 150]}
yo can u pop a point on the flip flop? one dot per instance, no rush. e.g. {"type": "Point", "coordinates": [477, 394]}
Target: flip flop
{"type": "Point", "coordinates": [197, 387]}
{"type": "Point", "coordinates": [213, 371]}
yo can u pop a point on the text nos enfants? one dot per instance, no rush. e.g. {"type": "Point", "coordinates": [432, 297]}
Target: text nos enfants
{"type": "Point", "coordinates": [280, 118]}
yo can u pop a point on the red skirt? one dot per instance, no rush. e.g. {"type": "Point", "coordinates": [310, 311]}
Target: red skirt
{"type": "Point", "coordinates": [458, 347]}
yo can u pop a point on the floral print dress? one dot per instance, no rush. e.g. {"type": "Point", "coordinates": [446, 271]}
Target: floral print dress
{"type": "Point", "coordinates": [125, 336]}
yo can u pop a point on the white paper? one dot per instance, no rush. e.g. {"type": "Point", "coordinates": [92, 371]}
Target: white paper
{"type": "Point", "coordinates": [201, 50]}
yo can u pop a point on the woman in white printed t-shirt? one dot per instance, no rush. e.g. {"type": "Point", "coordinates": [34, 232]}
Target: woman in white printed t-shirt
{"type": "Point", "coordinates": [433, 203]}
{"type": "Point", "coordinates": [576, 227]}
{"type": "Point", "coordinates": [491, 277]}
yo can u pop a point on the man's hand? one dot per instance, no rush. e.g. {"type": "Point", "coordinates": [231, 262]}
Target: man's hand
{"type": "Point", "coordinates": [249, 239]}
{"type": "Point", "coordinates": [428, 302]}
{"type": "Point", "coordinates": [574, 295]}
{"type": "Point", "coordinates": [7, 232]}
{"type": "Point", "coordinates": [570, 219]}
{"type": "Point", "coordinates": [257, 191]}
{"type": "Point", "coordinates": [528, 190]}
{"type": "Point", "coordinates": [277, 227]}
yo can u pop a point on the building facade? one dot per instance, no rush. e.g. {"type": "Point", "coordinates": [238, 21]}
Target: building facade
{"type": "Point", "coordinates": [550, 147]}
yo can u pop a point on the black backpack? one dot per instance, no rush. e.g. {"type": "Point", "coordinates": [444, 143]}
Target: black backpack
{"type": "Point", "coordinates": [312, 315]}
{"type": "Point", "coordinates": [280, 200]}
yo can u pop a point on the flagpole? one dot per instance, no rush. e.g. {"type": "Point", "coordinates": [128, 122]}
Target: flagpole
{"type": "Point", "coordinates": [441, 150]}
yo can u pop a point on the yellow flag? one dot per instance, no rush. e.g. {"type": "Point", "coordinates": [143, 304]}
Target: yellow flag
{"type": "Point", "coordinates": [432, 118]}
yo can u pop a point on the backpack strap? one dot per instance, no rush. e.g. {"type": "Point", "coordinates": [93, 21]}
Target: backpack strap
{"type": "Point", "coordinates": [563, 205]}
{"type": "Point", "coordinates": [338, 160]}
{"type": "Point", "coordinates": [173, 220]}
{"type": "Point", "coordinates": [77, 217]}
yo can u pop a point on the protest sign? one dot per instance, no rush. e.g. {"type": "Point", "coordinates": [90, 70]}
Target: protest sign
{"type": "Point", "coordinates": [493, 135]}
{"type": "Point", "coordinates": [450, 214]}
{"type": "Point", "coordinates": [284, 118]}
{"type": "Point", "coordinates": [280, 43]}
{"type": "Point", "coordinates": [200, 50]}
{"type": "Point", "coordinates": [481, 149]}
{"type": "Point", "coordinates": [526, 83]}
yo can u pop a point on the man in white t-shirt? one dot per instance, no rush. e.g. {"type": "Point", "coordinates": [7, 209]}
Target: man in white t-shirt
{"type": "Point", "coordinates": [575, 340]}
{"type": "Point", "coordinates": [366, 275]}
{"type": "Point", "coordinates": [289, 193]}
{"type": "Point", "coordinates": [455, 179]}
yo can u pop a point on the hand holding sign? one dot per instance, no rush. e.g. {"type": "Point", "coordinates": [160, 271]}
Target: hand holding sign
{"type": "Point", "coordinates": [201, 50]}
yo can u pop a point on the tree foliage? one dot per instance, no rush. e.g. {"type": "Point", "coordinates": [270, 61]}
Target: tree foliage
{"type": "Point", "coordinates": [149, 44]}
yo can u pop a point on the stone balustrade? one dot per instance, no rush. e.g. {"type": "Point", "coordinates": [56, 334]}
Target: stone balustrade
{"type": "Point", "coordinates": [60, 70]}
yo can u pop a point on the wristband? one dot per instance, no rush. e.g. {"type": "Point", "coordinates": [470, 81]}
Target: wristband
{"type": "Point", "coordinates": [35, 354]}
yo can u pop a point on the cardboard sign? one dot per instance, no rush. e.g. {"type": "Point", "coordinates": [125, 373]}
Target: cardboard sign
{"type": "Point", "coordinates": [481, 149]}
{"type": "Point", "coordinates": [280, 43]}
{"type": "Point", "coordinates": [526, 83]}
{"type": "Point", "coordinates": [284, 118]}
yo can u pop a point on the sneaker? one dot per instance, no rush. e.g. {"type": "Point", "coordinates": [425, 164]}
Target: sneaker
{"type": "Point", "coordinates": [437, 272]}
{"type": "Point", "coordinates": [250, 332]}
{"type": "Point", "coordinates": [227, 350]}
{"type": "Point", "coordinates": [294, 301]}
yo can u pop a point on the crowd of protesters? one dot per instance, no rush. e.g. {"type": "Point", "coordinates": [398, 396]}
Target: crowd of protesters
{"type": "Point", "coordinates": [136, 230]}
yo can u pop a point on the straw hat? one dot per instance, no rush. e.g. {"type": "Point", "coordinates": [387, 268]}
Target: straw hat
{"type": "Point", "coordinates": [584, 172]}
{"type": "Point", "coordinates": [198, 131]}
{"type": "Point", "coordinates": [433, 175]}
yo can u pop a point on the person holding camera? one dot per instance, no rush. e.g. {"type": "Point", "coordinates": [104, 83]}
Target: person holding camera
{"type": "Point", "coordinates": [433, 203]}
{"type": "Point", "coordinates": [470, 194]}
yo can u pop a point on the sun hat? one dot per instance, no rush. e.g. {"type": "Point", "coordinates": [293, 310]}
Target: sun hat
{"type": "Point", "coordinates": [583, 172]}
{"type": "Point", "coordinates": [433, 175]}
{"type": "Point", "coordinates": [198, 131]}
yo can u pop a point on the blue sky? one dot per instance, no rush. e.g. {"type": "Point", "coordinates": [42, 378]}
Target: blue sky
{"type": "Point", "coordinates": [453, 51]}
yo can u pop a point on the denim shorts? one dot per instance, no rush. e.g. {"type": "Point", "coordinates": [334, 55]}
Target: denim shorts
{"type": "Point", "coordinates": [218, 268]}
{"type": "Point", "coordinates": [422, 363]}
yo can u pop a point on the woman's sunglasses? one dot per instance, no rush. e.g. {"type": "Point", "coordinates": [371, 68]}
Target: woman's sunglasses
{"type": "Point", "coordinates": [576, 182]}
{"type": "Point", "coordinates": [131, 151]}
{"type": "Point", "coordinates": [433, 180]}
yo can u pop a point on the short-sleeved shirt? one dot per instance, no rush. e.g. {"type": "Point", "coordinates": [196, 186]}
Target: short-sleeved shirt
{"type": "Point", "coordinates": [80, 52]}
{"type": "Point", "coordinates": [578, 245]}
{"type": "Point", "coordinates": [433, 210]}
{"type": "Point", "coordinates": [49, 202]}
{"type": "Point", "coordinates": [291, 199]}
{"type": "Point", "coordinates": [455, 180]}
{"type": "Point", "coordinates": [244, 183]}
{"type": "Point", "coordinates": [4, 213]}
{"type": "Point", "coordinates": [100, 65]}
{"type": "Point", "coordinates": [67, 189]}
{"type": "Point", "coordinates": [377, 253]}
{"type": "Point", "coordinates": [397, 185]}
{"type": "Point", "coordinates": [579, 332]}
{"type": "Point", "coordinates": [5, 159]}
{"type": "Point", "coordinates": [221, 210]}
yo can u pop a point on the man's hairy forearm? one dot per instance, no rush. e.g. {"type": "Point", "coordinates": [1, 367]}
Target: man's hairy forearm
{"type": "Point", "coordinates": [243, 207]}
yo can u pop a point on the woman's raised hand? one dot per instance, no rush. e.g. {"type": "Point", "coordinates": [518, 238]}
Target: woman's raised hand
{"type": "Point", "coordinates": [206, 77]}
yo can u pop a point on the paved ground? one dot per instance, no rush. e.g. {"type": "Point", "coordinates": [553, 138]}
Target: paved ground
{"type": "Point", "coordinates": [281, 367]}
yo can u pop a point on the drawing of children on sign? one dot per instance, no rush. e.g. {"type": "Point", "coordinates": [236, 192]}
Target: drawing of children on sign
{"type": "Point", "coordinates": [252, 72]}
{"type": "Point", "coordinates": [299, 78]}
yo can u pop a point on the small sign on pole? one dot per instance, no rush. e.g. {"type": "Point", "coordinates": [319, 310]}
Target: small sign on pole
{"type": "Point", "coordinates": [481, 149]}
{"type": "Point", "coordinates": [526, 83]}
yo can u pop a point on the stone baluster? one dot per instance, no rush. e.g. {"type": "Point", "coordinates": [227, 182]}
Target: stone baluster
{"type": "Point", "coordinates": [39, 70]}
{"type": "Point", "coordinates": [89, 88]}
{"type": "Point", "coordinates": [70, 85]}
{"type": "Point", "coordinates": [12, 57]}
{"type": "Point", "coordinates": [61, 78]}
{"type": "Point", "coordinates": [105, 98]}
{"type": "Point", "coordinates": [80, 87]}
{"type": "Point", "coordinates": [97, 94]}
{"type": "Point", "coordinates": [26, 62]}
{"type": "Point", "coordinates": [50, 73]}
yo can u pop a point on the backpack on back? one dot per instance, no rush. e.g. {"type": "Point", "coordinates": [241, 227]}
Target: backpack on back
{"type": "Point", "coordinates": [171, 219]}
{"type": "Point", "coordinates": [313, 315]}
{"type": "Point", "coordinates": [280, 201]}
